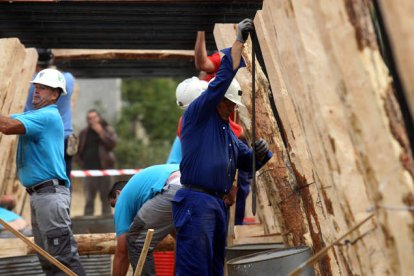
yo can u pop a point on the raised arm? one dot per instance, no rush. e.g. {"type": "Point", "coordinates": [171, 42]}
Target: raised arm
{"type": "Point", "coordinates": [202, 62]}
{"type": "Point", "coordinates": [243, 30]}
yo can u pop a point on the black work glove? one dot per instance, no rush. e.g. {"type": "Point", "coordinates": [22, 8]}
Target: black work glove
{"type": "Point", "coordinates": [243, 29]}
{"type": "Point", "coordinates": [261, 147]}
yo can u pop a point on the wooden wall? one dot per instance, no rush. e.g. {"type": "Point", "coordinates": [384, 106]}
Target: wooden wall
{"type": "Point", "coordinates": [346, 154]}
{"type": "Point", "coordinates": [17, 66]}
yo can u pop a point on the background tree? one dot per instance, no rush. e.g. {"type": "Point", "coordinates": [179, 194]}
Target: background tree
{"type": "Point", "coordinates": [148, 122]}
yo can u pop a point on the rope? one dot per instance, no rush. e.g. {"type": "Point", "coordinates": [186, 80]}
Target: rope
{"type": "Point", "coordinates": [297, 271]}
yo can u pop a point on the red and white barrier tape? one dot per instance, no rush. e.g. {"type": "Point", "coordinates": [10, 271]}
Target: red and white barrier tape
{"type": "Point", "coordinates": [92, 173]}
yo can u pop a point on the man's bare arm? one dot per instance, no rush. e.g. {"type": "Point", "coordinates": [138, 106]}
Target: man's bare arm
{"type": "Point", "coordinates": [11, 126]}
{"type": "Point", "coordinates": [121, 262]}
{"type": "Point", "coordinates": [202, 62]}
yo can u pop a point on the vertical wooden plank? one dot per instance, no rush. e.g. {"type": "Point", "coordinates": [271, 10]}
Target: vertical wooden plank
{"type": "Point", "coordinates": [399, 22]}
{"type": "Point", "coordinates": [17, 66]}
{"type": "Point", "coordinates": [333, 93]}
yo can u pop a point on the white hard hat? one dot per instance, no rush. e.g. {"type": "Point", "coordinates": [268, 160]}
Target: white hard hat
{"type": "Point", "coordinates": [234, 92]}
{"type": "Point", "coordinates": [52, 78]}
{"type": "Point", "coordinates": [188, 90]}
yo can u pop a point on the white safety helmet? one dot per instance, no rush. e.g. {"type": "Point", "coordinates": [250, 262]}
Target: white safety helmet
{"type": "Point", "coordinates": [188, 90]}
{"type": "Point", "coordinates": [52, 78]}
{"type": "Point", "coordinates": [234, 92]}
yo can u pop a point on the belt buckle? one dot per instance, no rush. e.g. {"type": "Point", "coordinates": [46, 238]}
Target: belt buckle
{"type": "Point", "coordinates": [29, 190]}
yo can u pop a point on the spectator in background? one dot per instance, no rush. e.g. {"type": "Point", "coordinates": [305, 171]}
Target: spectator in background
{"type": "Point", "coordinates": [96, 143]}
{"type": "Point", "coordinates": [45, 60]}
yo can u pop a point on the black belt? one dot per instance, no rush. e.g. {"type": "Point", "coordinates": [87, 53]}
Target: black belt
{"type": "Point", "coordinates": [206, 191]}
{"type": "Point", "coordinates": [45, 184]}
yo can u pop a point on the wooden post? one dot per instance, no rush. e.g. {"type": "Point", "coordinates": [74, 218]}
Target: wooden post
{"type": "Point", "coordinates": [144, 252]}
{"type": "Point", "coordinates": [108, 54]}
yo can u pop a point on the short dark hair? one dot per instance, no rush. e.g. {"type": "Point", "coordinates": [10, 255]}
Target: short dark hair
{"type": "Point", "coordinates": [119, 185]}
{"type": "Point", "coordinates": [45, 57]}
{"type": "Point", "coordinates": [103, 122]}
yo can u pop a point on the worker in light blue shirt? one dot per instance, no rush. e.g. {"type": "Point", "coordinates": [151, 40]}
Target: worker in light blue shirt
{"type": "Point", "coordinates": [210, 155]}
{"type": "Point", "coordinates": [41, 169]}
{"type": "Point", "coordinates": [142, 203]}
{"type": "Point", "coordinates": [64, 104]}
{"type": "Point", "coordinates": [42, 160]}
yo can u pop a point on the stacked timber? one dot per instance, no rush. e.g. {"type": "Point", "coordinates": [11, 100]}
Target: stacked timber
{"type": "Point", "coordinates": [341, 149]}
{"type": "Point", "coordinates": [17, 66]}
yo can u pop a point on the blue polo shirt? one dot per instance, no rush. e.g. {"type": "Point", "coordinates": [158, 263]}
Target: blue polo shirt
{"type": "Point", "coordinates": [210, 150]}
{"type": "Point", "coordinates": [140, 188]}
{"type": "Point", "coordinates": [40, 149]}
{"type": "Point", "coordinates": [64, 103]}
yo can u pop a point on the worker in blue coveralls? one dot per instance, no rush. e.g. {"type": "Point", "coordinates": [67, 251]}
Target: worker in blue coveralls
{"type": "Point", "coordinates": [211, 153]}
{"type": "Point", "coordinates": [187, 91]}
{"type": "Point", "coordinates": [143, 203]}
{"type": "Point", "coordinates": [41, 169]}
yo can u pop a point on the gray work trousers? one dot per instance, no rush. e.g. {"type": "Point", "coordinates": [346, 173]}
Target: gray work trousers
{"type": "Point", "coordinates": [52, 229]}
{"type": "Point", "coordinates": [93, 185]}
{"type": "Point", "coordinates": [155, 214]}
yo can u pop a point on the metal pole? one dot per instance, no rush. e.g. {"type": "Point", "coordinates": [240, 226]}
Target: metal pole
{"type": "Point", "coordinates": [253, 127]}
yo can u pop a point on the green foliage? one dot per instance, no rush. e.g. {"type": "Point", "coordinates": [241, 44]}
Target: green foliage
{"type": "Point", "coordinates": [148, 122]}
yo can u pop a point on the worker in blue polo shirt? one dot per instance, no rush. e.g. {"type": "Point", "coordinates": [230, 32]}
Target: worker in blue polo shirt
{"type": "Point", "coordinates": [64, 104]}
{"type": "Point", "coordinates": [41, 169]}
{"type": "Point", "coordinates": [211, 153]}
{"type": "Point", "coordinates": [142, 203]}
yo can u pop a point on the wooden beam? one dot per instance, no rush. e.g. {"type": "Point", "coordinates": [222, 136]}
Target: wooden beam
{"type": "Point", "coordinates": [88, 244]}
{"type": "Point", "coordinates": [85, 54]}
{"type": "Point", "coordinates": [248, 230]}
{"type": "Point", "coordinates": [273, 238]}
{"type": "Point", "coordinates": [138, 1]}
